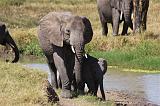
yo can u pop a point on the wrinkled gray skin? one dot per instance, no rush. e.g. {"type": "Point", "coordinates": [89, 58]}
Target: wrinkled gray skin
{"type": "Point", "coordinates": [110, 11]}
{"type": "Point", "coordinates": [92, 74]}
{"type": "Point", "coordinates": [6, 39]}
{"type": "Point", "coordinates": [57, 32]}
{"type": "Point", "coordinates": [140, 15]}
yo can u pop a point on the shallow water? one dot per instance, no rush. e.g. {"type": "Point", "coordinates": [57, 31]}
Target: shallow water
{"type": "Point", "coordinates": [144, 85]}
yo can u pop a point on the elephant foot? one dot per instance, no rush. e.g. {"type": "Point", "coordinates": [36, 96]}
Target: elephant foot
{"type": "Point", "coordinates": [114, 34]}
{"type": "Point", "coordinates": [104, 33]}
{"type": "Point", "coordinates": [66, 94]}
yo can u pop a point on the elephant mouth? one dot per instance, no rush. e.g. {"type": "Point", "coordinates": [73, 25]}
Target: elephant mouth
{"type": "Point", "coordinates": [74, 51]}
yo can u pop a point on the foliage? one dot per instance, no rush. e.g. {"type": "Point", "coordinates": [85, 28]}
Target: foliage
{"type": "Point", "coordinates": [145, 55]}
{"type": "Point", "coordinates": [12, 2]}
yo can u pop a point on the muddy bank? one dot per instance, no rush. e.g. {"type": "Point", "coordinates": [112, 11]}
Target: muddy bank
{"type": "Point", "coordinates": [125, 98]}
{"type": "Point", "coordinates": [119, 98]}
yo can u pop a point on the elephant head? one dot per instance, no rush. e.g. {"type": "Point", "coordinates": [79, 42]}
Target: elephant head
{"type": "Point", "coordinates": [103, 65]}
{"type": "Point", "coordinates": [5, 38]}
{"type": "Point", "coordinates": [125, 7]}
{"type": "Point", "coordinates": [67, 29]}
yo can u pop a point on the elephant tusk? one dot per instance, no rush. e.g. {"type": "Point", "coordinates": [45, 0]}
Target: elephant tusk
{"type": "Point", "coordinates": [85, 55]}
{"type": "Point", "coordinates": [73, 50]}
{"type": "Point", "coordinates": [121, 15]}
{"type": "Point", "coordinates": [132, 17]}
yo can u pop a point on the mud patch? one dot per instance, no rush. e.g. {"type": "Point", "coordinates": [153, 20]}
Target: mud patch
{"type": "Point", "coordinates": [123, 98]}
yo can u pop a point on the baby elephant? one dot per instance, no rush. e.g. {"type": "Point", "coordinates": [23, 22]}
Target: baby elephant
{"type": "Point", "coordinates": [93, 70]}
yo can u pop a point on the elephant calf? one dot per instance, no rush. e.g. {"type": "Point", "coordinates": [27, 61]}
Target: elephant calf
{"type": "Point", "coordinates": [93, 70]}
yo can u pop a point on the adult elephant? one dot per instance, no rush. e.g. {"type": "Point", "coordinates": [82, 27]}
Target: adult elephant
{"type": "Point", "coordinates": [62, 37]}
{"type": "Point", "coordinates": [5, 39]}
{"type": "Point", "coordinates": [114, 12]}
{"type": "Point", "coordinates": [140, 9]}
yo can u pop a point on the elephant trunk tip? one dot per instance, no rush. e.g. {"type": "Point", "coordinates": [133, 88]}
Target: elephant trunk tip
{"type": "Point", "coordinates": [15, 60]}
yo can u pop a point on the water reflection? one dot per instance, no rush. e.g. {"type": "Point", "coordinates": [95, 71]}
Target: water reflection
{"type": "Point", "coordinates": [144, 85]}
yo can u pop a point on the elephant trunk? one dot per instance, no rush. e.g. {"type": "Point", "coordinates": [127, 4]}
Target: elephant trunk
{"type": "Point", "coordinates": [14, 47]}
{"type": "Point", "coordinates": [127, 9]}
{"type": "Point", "coordinates": [137, 16]}
{"type": "Point", "coordinates": [78, 66]}
{"type": "Point", "coordinates": [127, 16]}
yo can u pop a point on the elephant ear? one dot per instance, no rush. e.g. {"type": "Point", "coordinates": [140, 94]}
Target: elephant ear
{"type": "Point", "coordinates": [50, 27]}
{"type": "Point", "coordinates": [88, 32]}
{"type": "Point", "coordinates": [117, 4]}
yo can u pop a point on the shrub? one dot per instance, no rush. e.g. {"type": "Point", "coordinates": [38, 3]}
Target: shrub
{"type": "Point", "coordinates": [12, 2]}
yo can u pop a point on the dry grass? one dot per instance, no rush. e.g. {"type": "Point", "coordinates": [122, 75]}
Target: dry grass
{"type": "Point", "coordinates": [20, 86]}
{"type": "Point", "coordinates": [23, 19]}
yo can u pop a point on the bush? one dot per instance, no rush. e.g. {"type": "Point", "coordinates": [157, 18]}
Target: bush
{"type": "Point", "coordinates": [33, 48]}
{"type": "Point", "coordinates": [12, 2]}
{"type": "Point", "coordinates": [27, 42]}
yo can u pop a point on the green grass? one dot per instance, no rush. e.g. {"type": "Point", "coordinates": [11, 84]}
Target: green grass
{"type": "Point", "coordinates": [145, 55]}
{"type": "Point", "coordinates": [138, 51]}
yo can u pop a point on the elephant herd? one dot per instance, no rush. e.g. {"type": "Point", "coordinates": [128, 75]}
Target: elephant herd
{"type": "Point", "coordinates": [63, 36]}
{"type": "Point", "coordinates": [116, 11]}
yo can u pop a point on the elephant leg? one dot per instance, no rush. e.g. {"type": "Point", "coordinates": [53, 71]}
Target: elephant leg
{"type": "Point", "coordinates": [74, 84]}
{"type": "Point", "coordinates": [58, 57]}
{"type": "Point", "coordinates": [96, 88]}
{"type": "Point", "coordinates": [116, 20]}
{"type": "Point", "coordinates": [125, 28]}
{"type": "Point", "coordinates": [104, 28]}
{"type": "Point", "coordinates": [91, 85]}
{"type": "Point", "coordinates": [104, 24]}
{"type": "Point", "coordinates": [144, 20]}
{"type": "Point", "coordinates": [53, 72]}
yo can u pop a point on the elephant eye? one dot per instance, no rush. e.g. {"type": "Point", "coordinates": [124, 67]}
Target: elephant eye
{"type": "Point", "coordinates": [67, 31]}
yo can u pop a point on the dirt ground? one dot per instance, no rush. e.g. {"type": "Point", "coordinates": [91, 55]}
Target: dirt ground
{"type": "Point", "coordinates": [120, 98]}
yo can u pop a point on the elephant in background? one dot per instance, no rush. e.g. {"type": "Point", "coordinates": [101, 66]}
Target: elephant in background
{"type": "Point", "coordinates": [62, 37]}
{"type": "Point", "coordinates": [140, 9]}
{"type": "Point", "coordinates": [93, 70]}
{"type": "Point", "coordinates": [6, 39]}
{"type": "Point", "coordinates": [114, 12]}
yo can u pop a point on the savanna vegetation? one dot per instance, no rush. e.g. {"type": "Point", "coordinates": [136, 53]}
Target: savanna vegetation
{"type": "Point", "coordinates": [21, 86]}
{"type": "Point", "coordinates": [139, 51]}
